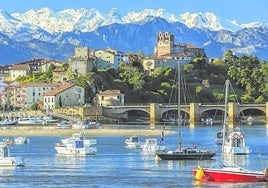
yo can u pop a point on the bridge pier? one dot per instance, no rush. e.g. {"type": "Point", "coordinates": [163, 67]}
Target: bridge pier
{"type": "Point", "coordinates": [194, 114]}
{"type": "Point", "coordinates": [154, 114]}
{"type": "Point", "coordinates": [266, 114]}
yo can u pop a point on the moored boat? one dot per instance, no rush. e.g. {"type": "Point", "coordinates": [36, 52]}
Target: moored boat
{"type": "Point", "coordinates": [151, 146]}
{"type": "Point", "coordinates": [6, 159]}
{"type": "Point", "coordinates": [235, 144]}
{"type": "Point", "coordinates": [184, 153]}
{"type": "Point", "coordinates": [9, 122]}
{"type": "Point", "coordinates": [21, 140]}
{"type": "Point", "coordinates": [77, 145]}
{"type": "Point", "coordinates": [132, 142]}
{"type": "Point", "coordinates": [230, 174]}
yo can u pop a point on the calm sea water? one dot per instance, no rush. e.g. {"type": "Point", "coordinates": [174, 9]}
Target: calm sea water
{"type": "Point", "coordinates": [116, 166]}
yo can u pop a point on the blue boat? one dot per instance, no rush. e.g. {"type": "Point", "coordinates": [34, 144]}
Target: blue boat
{"type": "Point", "coordinates": [9, 122]}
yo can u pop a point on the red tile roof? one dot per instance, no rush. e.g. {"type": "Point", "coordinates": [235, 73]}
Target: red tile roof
{"type": "Point", "coordinates": [19, 67]}
{"type": "Point", "coordinates": [58, 90]}
{"type": "Point", "coordinates": [110, 92]}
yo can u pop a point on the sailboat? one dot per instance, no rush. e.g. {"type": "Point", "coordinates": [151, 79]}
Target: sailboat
{"type": "Point", "coordinates": [234, 142]}
{"type": "Point", "coordinates": [225, 173]}
{"type": "Point", "coordinates": [180, 153]}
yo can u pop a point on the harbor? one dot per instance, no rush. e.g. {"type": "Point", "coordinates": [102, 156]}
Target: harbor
{"type": "Point", "coordinates": [115, 165]}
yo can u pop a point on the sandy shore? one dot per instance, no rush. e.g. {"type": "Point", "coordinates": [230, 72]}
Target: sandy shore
{"type": "Point", "coordinates": [53, 131]}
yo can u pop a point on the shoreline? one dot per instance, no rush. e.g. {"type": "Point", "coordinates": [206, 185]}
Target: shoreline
{"type": "Point", "coordinates": [53, 131]}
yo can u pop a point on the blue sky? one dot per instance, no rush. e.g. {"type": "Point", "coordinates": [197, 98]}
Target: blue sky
{"type": "Point", "coordinates": [243, 11]}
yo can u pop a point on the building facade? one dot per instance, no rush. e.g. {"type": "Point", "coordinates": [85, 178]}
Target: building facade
{"type": "Point", "coordinates": [110, 98]}
{"type": "Point", "coordinates": [167, 53]}
{"type": "Point", "coordinates": [68, 95]}
{"type": "Point", "coordinates": [109, 58]}
{"type": "Point", "coordinates": [83, 60]}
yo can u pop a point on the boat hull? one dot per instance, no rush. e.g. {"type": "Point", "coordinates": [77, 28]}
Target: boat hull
{"type": "Point", "coordinates": [11, 161]}
{"type": "Point", "coordinates": [225, 175]}
{"type": "Point", "coordinates": [61, 149]}
{"type": "Point", "coordinates": [185, 156]}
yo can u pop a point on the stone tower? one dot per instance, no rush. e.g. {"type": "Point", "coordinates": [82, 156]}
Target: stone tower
{"type": "Point", "coordinates": [165, 44]}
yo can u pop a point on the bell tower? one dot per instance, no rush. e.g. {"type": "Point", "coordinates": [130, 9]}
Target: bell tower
{"type": "Point", "coordinates": [165, 44]}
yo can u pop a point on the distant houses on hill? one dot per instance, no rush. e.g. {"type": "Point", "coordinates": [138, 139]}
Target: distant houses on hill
{"type": "Point", "coordinates": [63, 91]}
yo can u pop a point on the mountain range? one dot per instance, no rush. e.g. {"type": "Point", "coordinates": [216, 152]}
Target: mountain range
{"type": "Point", "coordinates": [44, 33]}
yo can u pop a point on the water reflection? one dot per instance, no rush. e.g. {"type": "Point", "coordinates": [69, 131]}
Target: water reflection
{"type": "Point", "coordinates": [69, 161]}
{"type": "Point", "coordinates": [196, 183]}
{"type": "Point", "coordinates": [233, 160]}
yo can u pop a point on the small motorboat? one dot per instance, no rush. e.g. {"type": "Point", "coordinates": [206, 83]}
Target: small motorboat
{"type": "Point", "coordinates": [21, 140]}
{"type": "Point", "coordinates": [235, 144]}
{"type": "Point", "coordinates": [219, 137]}
{"type": "Point", "coordinates": [9, 122]}
{"type": "Point", "coordinates": [6, 159]}
{"type": "Point", "coordinates": [151, 146]}
{"type": "Point", "coordinates": [230, 174]}
{"type": "Point", "coordinates": [132, 142]}
{"type": "Point", "coordinates": [77, 145]}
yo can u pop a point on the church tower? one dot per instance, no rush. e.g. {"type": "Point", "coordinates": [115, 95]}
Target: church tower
{"type": "Point", "coordinates": [165, 44]}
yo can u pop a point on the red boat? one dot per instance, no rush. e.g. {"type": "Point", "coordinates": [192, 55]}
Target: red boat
{"type": "Point", "coordinates": [230, 174]}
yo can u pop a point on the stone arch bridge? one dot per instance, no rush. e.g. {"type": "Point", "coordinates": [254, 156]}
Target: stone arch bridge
{"type": "Point", "coordinates": [194, 110]}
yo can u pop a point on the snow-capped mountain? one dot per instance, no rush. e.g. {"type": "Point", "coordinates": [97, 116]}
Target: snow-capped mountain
{"type": "Point", "coordinates": [44, 33]}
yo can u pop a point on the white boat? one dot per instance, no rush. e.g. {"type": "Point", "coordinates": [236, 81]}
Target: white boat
{"type": "Point", "coordinates": [77, 145]}
{"type": "Point", "coordinates": [151, 146]}
{"type": "Point", "coordinates": [132, 142]}
{"type": "Point", "coordinates": [8, 141]}
{"type": "Point", "coordinates": [64, 125]}
{"type": "Point", "coordinates": [6, 159]}
{"type": "Point", "coordinates": [49, 119]}
{"type": "Point", "coordinates": [80, 136]}
{"type": "Point", "coordinates": [21, 140]}
{"type": "Point", "coordinates": [79, 125]}
{"type": "Point", "coordinates": [219, 137]}
{"type": "Point", "coordinates": [31, 120]}
{"type": "Point", "coordinates": [235, 144]}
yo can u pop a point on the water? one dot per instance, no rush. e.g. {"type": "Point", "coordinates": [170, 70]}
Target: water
{"type": "Point", "coordinates": [117, 166]}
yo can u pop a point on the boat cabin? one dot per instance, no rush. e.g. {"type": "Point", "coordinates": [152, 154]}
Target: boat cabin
{"type": "Point", "coordinates": [4, 151]}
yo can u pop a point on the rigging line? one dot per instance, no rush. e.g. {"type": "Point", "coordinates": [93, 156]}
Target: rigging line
{"type": "Point", "coordinates": [260, 159]}
{"type": "Point", "coordinates": [236, 99]}
{"type": "Point", "coordinates": [169, 103]}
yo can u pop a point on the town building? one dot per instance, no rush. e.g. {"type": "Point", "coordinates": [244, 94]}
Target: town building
{"type": "Point", "coordinates": [30, 93]}
{"type": "Point", "coordinates": [46, 64]}
{"type": "Point", "coordinates": [18, 70]}
{"type": "Point", "coordinates": [109, 58]}
{"type": "Point", "coordinates": [82, 61]}
{"type": "Point", "coordinates": [68, 95]}
{"type": "Point", "coordinates": [110, 98]}
{"type": "Point", "coordinates": [167, 53]}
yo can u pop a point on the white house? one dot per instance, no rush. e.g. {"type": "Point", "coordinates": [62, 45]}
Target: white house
{"type": "Point", "coordinates": [29, 93]}
{"type": "Point", "coordinates": [168, 60]}
{"type": "Point", "coordinates": [19, 70]}
{"type": "Point", "coordinates": [109, 58]}
{"type": "Point", "coordinates": [68, 95]}
{"type": "Point", "coordinates": [110, 98]}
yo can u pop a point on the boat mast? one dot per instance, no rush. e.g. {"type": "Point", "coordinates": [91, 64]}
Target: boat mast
{"type": "Point", "coordinates": [227, 84]}
{"type": "Point", "coordinates": [179, 103]}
